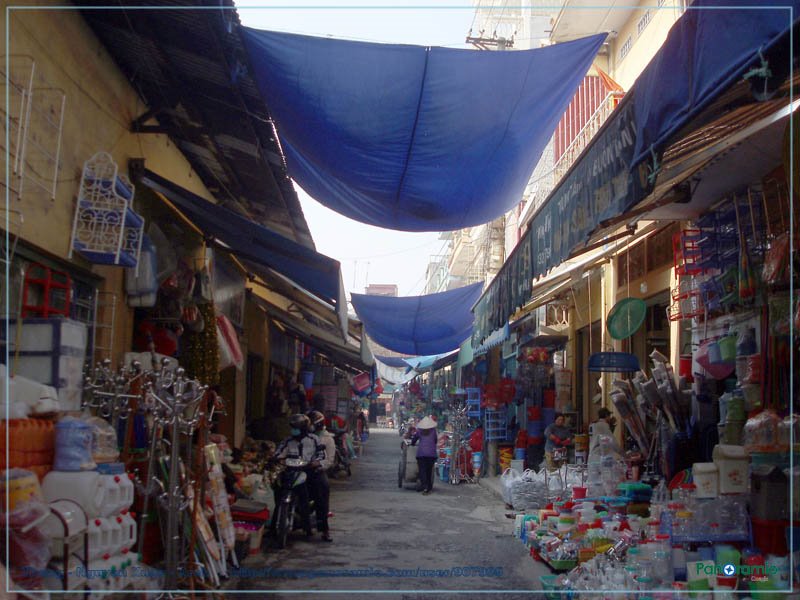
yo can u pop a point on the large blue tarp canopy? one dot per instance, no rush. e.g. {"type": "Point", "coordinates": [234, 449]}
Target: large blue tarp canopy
{"type": "Point", "coordinates": [312, 271]}
{"type": "Point", "coordinates": [419, 325]}
{"type": "Point", "coordinates": [710, 48]}
{"type": "Point", "coordinates": [409, 137]}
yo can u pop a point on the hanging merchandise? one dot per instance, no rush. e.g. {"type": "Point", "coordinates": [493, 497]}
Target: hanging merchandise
{"type": "Point", "coordinates": [203, 288]}
{"type": "Point", "coordinates": [776, 260]}
{"type": "Point", "coordinates": [230, 352]}
{"type": "Point", "coordinates": [141, 283]}
{"type": "Point", "coordinates": [625, 318]}
{"type": "Point", "coordinates": [747, 284]}
{"type": "Point", "coordinates": [192, 318]}
{"type": "Point", "coordinates": [203, 349]}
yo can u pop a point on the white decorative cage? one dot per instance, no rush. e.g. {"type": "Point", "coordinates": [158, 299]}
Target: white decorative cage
{"type": "Point", "coordinates": [106, 230]}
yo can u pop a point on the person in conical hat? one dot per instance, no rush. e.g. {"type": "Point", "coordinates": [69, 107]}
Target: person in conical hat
{"type": "Point", "coordinates": [426, 423]}
{"type": "Point", "coordinates": [425, 437]}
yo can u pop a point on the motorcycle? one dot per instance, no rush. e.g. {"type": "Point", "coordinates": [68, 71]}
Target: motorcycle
{"type": "Point", "coordinates": [287, 512]}
{"type": "Point", "coordinates": [405, 427]}
{"type": "Point", "coordinates": [341, 461]}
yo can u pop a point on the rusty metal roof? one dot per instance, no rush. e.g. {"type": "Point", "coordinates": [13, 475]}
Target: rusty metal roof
{"type": "Point", "coordinates": [186, 60]}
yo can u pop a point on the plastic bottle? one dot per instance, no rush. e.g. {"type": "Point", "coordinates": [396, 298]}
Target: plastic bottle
{"type": "Point", "coordinates": [660, 493]}
{"type": "Point", "coordinates": [128, 529]}
{"type": "Point", "coordinates": [662, 566]}
{"type": "Point", "coordinates": [126, 491]}
{"type": "Point", "coordinates": [99, 537]}
{"type": "Point", "coordinates": [115, 534]}
{"type": "Point", "coordinates": [111, 478]}
{"type": "Point", "coordinates": [679, 563]}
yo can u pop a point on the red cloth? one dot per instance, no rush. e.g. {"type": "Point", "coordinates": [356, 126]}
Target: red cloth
{"type": "Point", "coordinates": [476, 440]}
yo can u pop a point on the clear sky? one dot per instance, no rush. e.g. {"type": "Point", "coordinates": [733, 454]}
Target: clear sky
{"type": "Point", "coordinates": [368, 254]}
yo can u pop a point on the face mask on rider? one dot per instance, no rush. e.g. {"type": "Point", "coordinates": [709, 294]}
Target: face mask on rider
{"type": "Point", "coordinates": [295, 432]}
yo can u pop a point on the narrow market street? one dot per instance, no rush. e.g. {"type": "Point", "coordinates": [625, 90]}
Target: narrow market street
{"type": "Point", "coordinates": [384, 529]}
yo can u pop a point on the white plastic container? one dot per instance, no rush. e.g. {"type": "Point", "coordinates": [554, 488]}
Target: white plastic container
{"type": "Point", "coordinates": [126, 492]}
{"type": "Point", "coordinates": [84, 487]}
{"type": "Point", "coordinates": [733, 465]}
{"type": "Point", "coordinates": [112, 476]}
{"type": "Point", "coordinates": [114, 535]}
{"type": "Point", "coordinates": [99, 537]}
{"type": "Point", "coordinates": [127, 530]}
{"type": "Point", "coordinates": [53, 526]}
{"type": "Point", "coordinates": [706, 478]}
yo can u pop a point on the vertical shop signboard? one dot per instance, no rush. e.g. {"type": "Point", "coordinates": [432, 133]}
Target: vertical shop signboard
{"type": "Point", "coordinates": [599, 187]}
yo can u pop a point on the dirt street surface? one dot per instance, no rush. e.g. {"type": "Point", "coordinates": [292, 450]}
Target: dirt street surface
{"type": "Point", "coordinates": [396, 543]}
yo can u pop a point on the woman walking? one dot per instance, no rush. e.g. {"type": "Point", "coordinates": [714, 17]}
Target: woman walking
{"type": "Point", "coordinates": [425, 437]}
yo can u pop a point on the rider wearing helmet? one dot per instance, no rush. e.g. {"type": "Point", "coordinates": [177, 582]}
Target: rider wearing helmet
{"type": "Point", "coordinates": [317, 478]}
{"type": "Point", "coordinates": [305, 445]}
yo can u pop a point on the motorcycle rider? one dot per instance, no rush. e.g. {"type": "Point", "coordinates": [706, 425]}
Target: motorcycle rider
{"type": "Point", "coordinates": [306, 446]}
{"type": "Point", "coordinates": [318, 484]}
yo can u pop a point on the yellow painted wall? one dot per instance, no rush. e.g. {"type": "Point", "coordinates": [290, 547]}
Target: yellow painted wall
{"type": "Point", "coordinates": [644, 45]}
{"type": "Point", "coordinates": [100, 105]}
{"type": "Point", "coordinates": [257, 338]}
{"type": "Point", "coordinates": [604, 294]}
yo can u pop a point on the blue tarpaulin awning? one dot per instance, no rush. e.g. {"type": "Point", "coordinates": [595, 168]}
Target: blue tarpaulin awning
{"type": "Point", "coordinates": [419, 325]}
{"type": "Point", "coordinates": [312, 271]}
{"type": "Point", "coordinates": [713, 45]}
{"type": "Point", "coordinates": [409, 137]}
{"type": "Point", "coordinates": [435, 361]}
{"type": "Point", "coordinates": [497, 337]}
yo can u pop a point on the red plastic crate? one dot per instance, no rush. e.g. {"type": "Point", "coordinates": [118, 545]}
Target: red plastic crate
{"type": "Point", "coordinates": [770, 536]}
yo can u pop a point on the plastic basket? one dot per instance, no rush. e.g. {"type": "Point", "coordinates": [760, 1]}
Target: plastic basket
{"type": "Point", "coordinates": [550, 587]}
{"type": "Point", "coordinates": [686, 251]}
{"type": "Point", "coordinates": [613, 362]}
{"type": "Point", "coordinates": [625, 318]}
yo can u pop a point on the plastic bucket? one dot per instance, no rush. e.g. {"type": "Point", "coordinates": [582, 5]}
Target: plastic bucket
{"type": "Point", "coordinates": [578, 493]}
{"type": "Point", "coordinates": [727, 348]}
{"type": "Point", "coordinates": [308, 379]}
{"type": "Point", "coordinates": [534, 413]}
{"type": "Point", "coordinates": [685, 367]}
{"type": "Point", "coordinates": [714, 354]}
{"type": "Point", "coordinates": [549, 399]}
